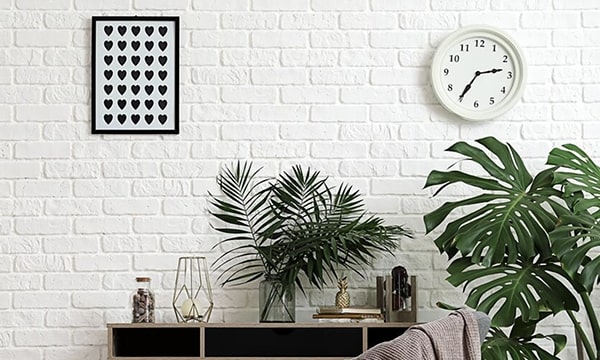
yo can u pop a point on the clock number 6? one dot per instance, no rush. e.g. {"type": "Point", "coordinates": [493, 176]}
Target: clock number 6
{"type": "Point", "coordinates": [476, 104]}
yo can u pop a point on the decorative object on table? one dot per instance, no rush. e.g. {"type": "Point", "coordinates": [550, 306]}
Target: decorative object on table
{"type": "Point", "coordinates": [348, 314]}
{"type": "Point", "coordinates": [400, 288]}
{"type": "Point", "coordinates": [275, 303]}
{"type": "Point", "coordinates": [386, 292]}
{"type": "Point", "coordinates": [142, 301]}
{"type": "Point", "coordinates": [526, 246]}
{"type": "Point", "coordinates": [478, 72]}
{"type": "Point", "coordinates": [192, 297]}
{"type": "Point", "coordinates": [296, 223]}
{"type": "Point", "coordinates": [135, 75]}
{"type": "Point", "coordinates": [342, 298]}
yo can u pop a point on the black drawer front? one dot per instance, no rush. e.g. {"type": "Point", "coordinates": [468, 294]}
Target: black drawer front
{"type": "Point", "coordinates": [283, 342]}
{"type": "Point", "coordinates": [156, 342]}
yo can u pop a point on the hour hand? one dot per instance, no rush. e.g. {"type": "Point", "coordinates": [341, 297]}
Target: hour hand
{"type": "Point", "coordinates": [492, 71]}
{"type": "Point", "coordinates": [467, 88]}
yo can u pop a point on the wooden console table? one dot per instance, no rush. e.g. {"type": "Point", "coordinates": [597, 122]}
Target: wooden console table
{"type": "Point", "coordinates": [248, 341]}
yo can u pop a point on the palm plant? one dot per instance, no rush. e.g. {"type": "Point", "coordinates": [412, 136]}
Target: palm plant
{"type": "Point", "coordinates": [526, 246]}
{"type": "Point", "coordinates": [294, 224]}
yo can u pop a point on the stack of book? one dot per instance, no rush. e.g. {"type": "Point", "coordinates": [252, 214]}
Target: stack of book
{"type": "Point", "coordinates": [348, 314]}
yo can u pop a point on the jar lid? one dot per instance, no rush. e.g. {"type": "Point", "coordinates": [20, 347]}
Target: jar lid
{"type": "Point", "coordinates": [143, 279]}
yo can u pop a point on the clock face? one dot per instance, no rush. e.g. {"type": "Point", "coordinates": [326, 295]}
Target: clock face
{"type": "Point", "coordinates": [478, 73]}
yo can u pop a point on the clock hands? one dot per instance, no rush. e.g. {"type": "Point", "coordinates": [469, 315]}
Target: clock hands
{"type": "Point", "coordinates": [477, 73]}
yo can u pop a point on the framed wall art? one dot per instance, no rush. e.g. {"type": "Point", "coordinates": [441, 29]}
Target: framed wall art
{"type": "Point", "coordinates": [135, 75]}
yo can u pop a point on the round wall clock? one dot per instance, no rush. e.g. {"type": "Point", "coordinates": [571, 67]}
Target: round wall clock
{"type": "Point", "coordinates": [478, 72]}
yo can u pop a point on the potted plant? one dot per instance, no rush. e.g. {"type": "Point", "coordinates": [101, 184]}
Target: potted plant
{"type": "Point", "coordinates": [278, 229]}
{"type": "Point", "coordinates": [527, 246]}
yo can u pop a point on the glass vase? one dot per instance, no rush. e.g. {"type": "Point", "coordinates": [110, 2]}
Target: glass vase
{"type": "Point", "coordinates": [276, 304]}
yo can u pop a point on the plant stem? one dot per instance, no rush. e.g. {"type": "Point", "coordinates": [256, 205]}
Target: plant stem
{"type": "Point", "coordinates": [589, 307]}
{"type": "Point", "coordinates": [586, 342]}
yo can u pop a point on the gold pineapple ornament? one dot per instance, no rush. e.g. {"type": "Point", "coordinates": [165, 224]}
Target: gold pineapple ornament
{"type": "Point", "coordinates": [342, 298]}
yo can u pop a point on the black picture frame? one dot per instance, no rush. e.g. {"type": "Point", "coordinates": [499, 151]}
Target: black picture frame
{"type": "Point", "coordinates": [135, 75]}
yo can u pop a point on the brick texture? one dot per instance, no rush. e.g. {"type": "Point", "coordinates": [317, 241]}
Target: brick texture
{"type": "Point", "coordinates": [339, 84]}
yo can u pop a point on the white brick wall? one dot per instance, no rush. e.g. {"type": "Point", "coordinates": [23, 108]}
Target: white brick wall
{"type": "Point", "coordinates": [341, 85]}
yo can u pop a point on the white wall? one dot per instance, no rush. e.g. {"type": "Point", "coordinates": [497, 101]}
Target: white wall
{"type": "Point", "coordinates": [338, 84]}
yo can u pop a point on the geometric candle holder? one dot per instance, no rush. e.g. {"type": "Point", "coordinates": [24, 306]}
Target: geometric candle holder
{"type": "Point", "coordinates": [192, 297]}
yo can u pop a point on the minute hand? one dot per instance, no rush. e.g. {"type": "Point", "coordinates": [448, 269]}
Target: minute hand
{"type": "Point", "coordinates": [493, 71]}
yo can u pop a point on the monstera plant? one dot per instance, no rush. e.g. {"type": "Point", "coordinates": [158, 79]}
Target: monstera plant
{"type": "Point", "coordinates": [295, 224]}
{"type": "Point", "coordinates": [526, 247]}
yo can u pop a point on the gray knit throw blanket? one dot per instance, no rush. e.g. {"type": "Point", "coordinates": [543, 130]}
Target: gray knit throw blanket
{"type": "Point", "coordinates": [455, 337]}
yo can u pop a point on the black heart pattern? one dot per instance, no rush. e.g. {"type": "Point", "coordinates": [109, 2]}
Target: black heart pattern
{"type": "Point", "coordinates": [119, 71]}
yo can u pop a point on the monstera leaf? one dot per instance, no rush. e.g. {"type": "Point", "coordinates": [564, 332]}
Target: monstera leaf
{"type": "Point", "coordinates": [527, 288]}
{"type": "Point", "coordinates": [512, 218]}
{"type": "Point", "coordinates": [578, 236]}
{"type": "Point", "coordinates": [499, 346]}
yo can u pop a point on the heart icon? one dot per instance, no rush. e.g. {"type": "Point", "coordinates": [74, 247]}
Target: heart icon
{"type": "Point", "coordinates": [122, 89]}
{"type": "Point", "coordinates": [135, 118]}
{"type": "Point", "coordinates": [162, 45]}
{"type": "Point", "coordinates": [149, 45]}
{"type": "Point", "coordinates": [122, 118]}
{"type": "Point", "coordinates": [135, 59]}
{"type": "Point", "coordinates": [108, 103]}
{"type": "Point", "coordinates": [108, 59]}
{"type": "Point", "coordinates": [149, 104]}
{"type": "Point", "coordinates": [162, 104]}
{"type": "Point", "coordinates": [122, 45]}
{"type": "Point", "coordinates": [162, 60]}
{"type": "Point", "coordinates": [149, 89]}
{"type": "Point", "coordinates": [149, 60]}
{"type": "Point", "coordinates": [149, 30]}
{"type": "Point", "coordinates": [149, 118]}
{"type": "Point", "coordinates": [122, 59]}
{"type": "Point", "coordinates": [108, 30]}
{"type": "Point", "coordinates": [108, 74]}
{"type": "Point", "coordinates": [122, 103]}
{"type": "Point", "coordinates": [162, 118]}
{"type": "Point", "coordinates": [108, 45]}
{"type": "Point", "coordinates": [108, 89]}
{"type": "Point", "coordinates": [162, 89]}
{"type": "Point", "coordinates": [135, 30]}
{"type": "Point", "coordinates": [135, 89]}
{"type": "Point", "coordinates": [162, 74]}
{"type": "Point", "coordinates": [162, 30]}
{"type": "Point", "coordinates": [135, 45]}
{"type": "Point", "coordinates": [121, 74]}
{"type": "Point", "coordinates": [122, 30]}
{"type": "Point", "coordinates": [108, 118]}
{"type": "Point", "coordinates": [135, 104]}
{"type": "Point", "coordinates": [149, 74]}
{"type": "Point", "coordinates": [135, 74]}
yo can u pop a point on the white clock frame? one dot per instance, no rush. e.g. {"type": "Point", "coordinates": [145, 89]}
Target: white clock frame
{"type": "Point", "coordinates": [513, 51]}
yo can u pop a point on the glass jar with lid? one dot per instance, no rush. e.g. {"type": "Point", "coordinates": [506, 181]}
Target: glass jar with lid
{"type": "Point", "coordinates": [142, 301]}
